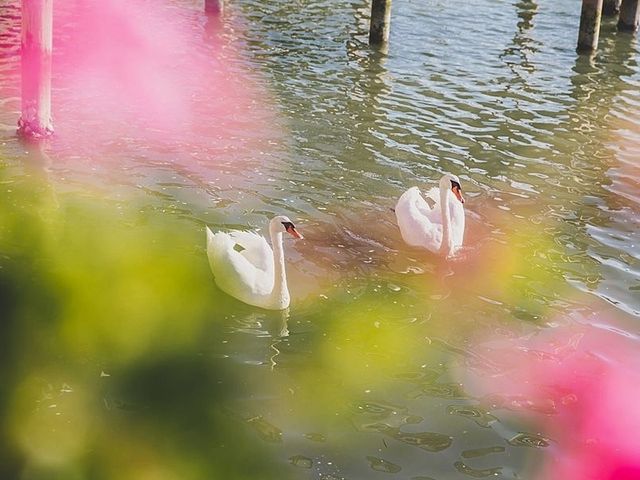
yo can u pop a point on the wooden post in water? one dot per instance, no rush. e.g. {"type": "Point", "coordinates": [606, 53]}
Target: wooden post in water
{"type": "Point", "coordinates": [213, 7]}
{"type": "Point", "coordinates": [611, 7]}
{"type": "Point", "coordinates": [589, 25]}
{"type": "Point", "coordinates": [629, 16]}
{"type": "Point", "coordinates": [380, 21]}
{"type": "Point", "coordinates": [37, 23]}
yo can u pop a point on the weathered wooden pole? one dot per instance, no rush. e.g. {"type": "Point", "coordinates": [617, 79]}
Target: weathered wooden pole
{"type": "Point", "coordinates": [213, 7]}
{"type": "Point", "coordinates": [380, 22]}
{"type": "Point", "coordinates": [611, 7]}
{"type": "Point", "coordinates": [37, 23]}
{"type": "Point", "coordinates": [589, 25]}
{"type": "Point", "coordinates": [629, 16]}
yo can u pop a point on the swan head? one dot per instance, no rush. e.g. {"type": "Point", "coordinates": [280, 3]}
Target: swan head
{"type": "Point", "coordinates": [452, 182]}
{"type": "Point", "coordinates": [282, 222]}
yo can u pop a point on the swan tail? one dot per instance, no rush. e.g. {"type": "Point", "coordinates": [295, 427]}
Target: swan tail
{"type": "Point", "coordinates": [210, 235]}
{"type": "Point", "coordinates": [216, 244]}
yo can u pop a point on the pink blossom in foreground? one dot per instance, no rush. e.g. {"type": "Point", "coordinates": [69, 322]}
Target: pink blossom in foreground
{"type": "Point", "coordinates": [580, 385]}
{"type": "Point", "coordinates": [130, 77]}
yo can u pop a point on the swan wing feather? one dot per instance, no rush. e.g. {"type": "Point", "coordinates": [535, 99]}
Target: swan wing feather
{"type": "Point", "coordinates": [416, 227]}
{"type": "Point", "coordinates": [456, 212]}
{"type": "Point", "coordinates": [234, 272]}
{"type": "Point", "coordinates": [435, 213]}
{"type": "Point", "coordinates": [254, 248]}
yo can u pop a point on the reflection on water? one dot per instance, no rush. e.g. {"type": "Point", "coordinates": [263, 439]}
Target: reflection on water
{"type": "Point", "coordinates": [120, 356]}
{"type": "Point", "coordinates": [482, 418]}
{"type": "Point", "coordinates": [477, 472]}
{"type": "Point", "coordinates": [382, 465]}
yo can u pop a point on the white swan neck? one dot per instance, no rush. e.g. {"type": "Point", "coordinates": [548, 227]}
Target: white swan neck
{"type": "Point", "coordinates": [445, 246]}
{"type": "Point", "coordinates": [280, 289]}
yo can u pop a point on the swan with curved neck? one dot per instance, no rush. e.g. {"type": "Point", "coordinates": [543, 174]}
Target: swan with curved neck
{"type": "Point", "coordinates": [247, 268]}
{"type": "Point", "coordinates": [440, 228]}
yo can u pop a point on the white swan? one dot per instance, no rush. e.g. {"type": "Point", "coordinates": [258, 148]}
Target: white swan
{"type": "Point", "coordinates": [245, 266]}
{"type": "Point", "coordinates": [440, 228]}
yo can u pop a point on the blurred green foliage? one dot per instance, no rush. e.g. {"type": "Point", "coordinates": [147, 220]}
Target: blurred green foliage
{"type": "Point", "coordinates": [120, 359]}
{"type": "Point", "coordinates": [103, 313]}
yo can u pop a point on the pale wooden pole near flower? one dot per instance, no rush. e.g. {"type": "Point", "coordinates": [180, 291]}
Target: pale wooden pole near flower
{"type": "Point", "coordinates": [589, 25]}
{"type": "Point", "coordinates": [37, 26]}
{"type": "Point", "coordinates": [214, 7]}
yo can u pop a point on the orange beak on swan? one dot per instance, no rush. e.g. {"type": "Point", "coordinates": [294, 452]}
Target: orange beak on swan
{"type": "Point", "coordinates": [458, 193]}
{"type": "Point", "coordinates": [290, 228]}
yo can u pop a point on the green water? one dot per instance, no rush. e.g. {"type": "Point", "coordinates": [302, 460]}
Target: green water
{"type": "Point", "coordinates": [121, 359]}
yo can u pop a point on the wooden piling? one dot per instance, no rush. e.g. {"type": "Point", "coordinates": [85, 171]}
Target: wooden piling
{"type": "Point", "coordinates": [214, 7]}
{"type": "Point", "coordinates": [611, 7]}
{"type": "Point", "coordinates": [629, 16]}
{"type": "Point", "coordinates": [380, 22]}
{"type": "Point", "coordinates": [37, 23]}
{"type": "Point", "coordinates": [589, 25]}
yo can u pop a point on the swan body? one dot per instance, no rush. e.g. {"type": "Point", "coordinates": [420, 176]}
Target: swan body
{"type": "Point", "coordinates": [247, 268]}
{"type": "Point", "coordinates": [440, 228]}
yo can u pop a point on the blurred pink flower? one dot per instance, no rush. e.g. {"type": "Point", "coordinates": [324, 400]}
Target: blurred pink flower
{"type": "Point", "coordinates": [580, 384]}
